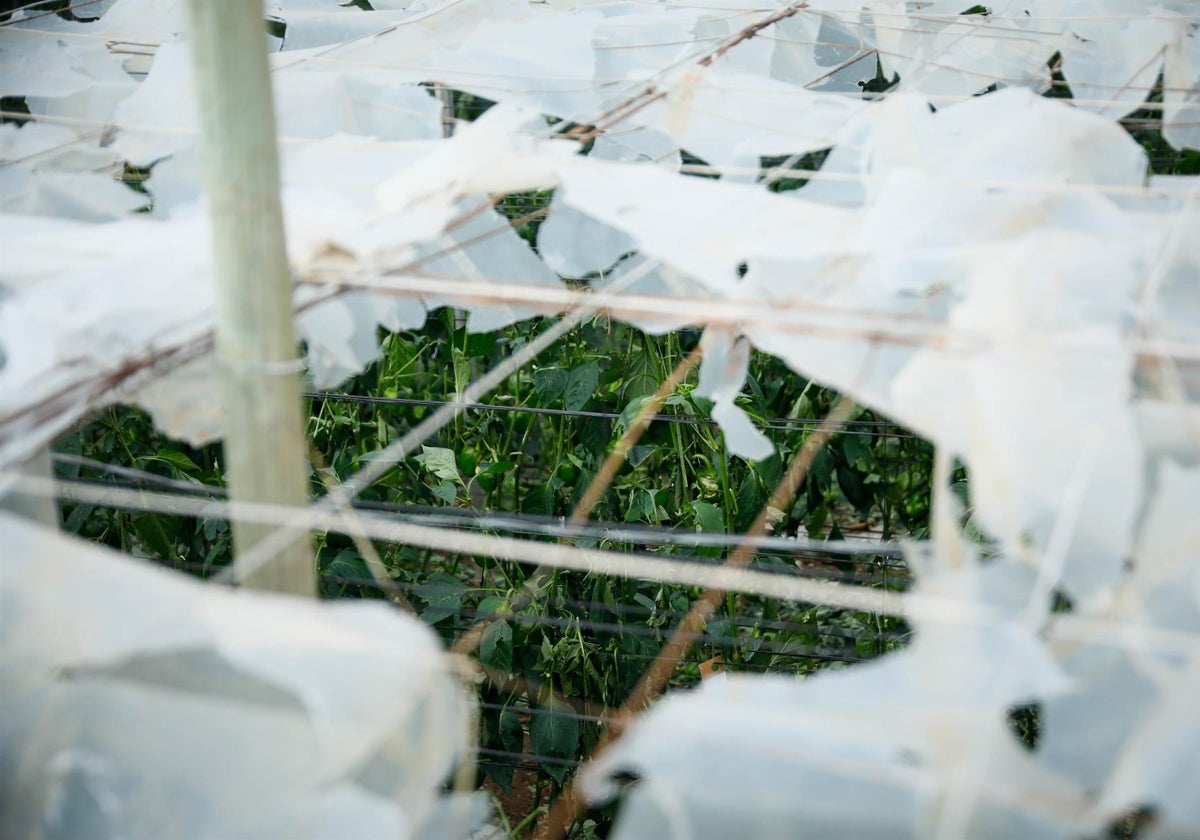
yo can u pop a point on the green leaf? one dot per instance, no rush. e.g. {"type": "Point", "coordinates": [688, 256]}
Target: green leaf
{"type": "Point", "coordinates": [214, 527]}
{"type": "Point", "coordinates": [769, 470]}
{"type": "Point", "coordinates": [540, 498]}
{"type": "Point", "coordinates": [157, 533]}
{"type": "Point", "coordinates": [348, 567]}
{"type": "Point", "coordinates": [512, 734]}
{"type": "Point", "coordinates": [445, 491]}
{"type": "Point", "coordinates": [821, 470]}
{"type": "Point", "coordinates": [462, 370]}
{"type": "Point", "coordinates": [555, 736]}
{"type": "Point", "coordinates": [480, 344]}
{"type": "Point", "coordinates": [593, 435]}
{"type": "Point", "coordinates": [816, 519]}
{"type": "Point", "coordinates": [489, 605]}
{"type": "Point", "coordinates": [443, 595]}
{"type": "Point", "coordinates": [854, 489]}
{"type": "Point", "coordinates": [751, 497]}
{"type": "Point", "coordinates": [549, 383]}
{"type": "Point", "coordinates": [441, 462]}
{"type": "Point", "coordinates": [962, 490]}
{"type": "Point", "coordinates": [631, 411]}
{"type": "Point", "coordinates": [857, 449]}
{"type": "Point", "coordinates": [77, 518]}
{"type": "Point", "coordinates": [502, 775]}
{"type": "Point", "coordinates": [645, 602]}
{"type": "Point", "coordinates": [509, 737]}
{"type": "Point", "coordinates": [638, 454]}
{"type": "Point", "coordinates": [709, 517]}
{"type": "Point", "coordinates": [176, 459]}
{"type": "Point", "coordinates": [581, 384]}
{"type": "Point", "coordinates": [865, 648]}
{"type": "Point", "coordinates": [719, 630]}
{"type": "Point", "coordinates": [642, 378]}
{"type": "Point", "coordinates": [496, 646]}
{"type": "Point", "coordinates": [642, 507]}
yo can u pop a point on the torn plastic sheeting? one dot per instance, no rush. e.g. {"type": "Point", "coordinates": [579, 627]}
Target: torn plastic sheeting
{"type": "Point", "coordinates": [660, 281]}
{"type": "Point", "coordinates": [826, 742]}
{"type": "Point", "coordinates": [37, 64]}
{"type": "Point", "coordinates": [723, 370]}
{"type": "Point", "coordinates": [496, 60]}
{"type": "Point", "coordinates": [1003, 242]}
{"type": "Point", "coordinates": [311, 101]}
{"type": "Point", "coordinates": [1037, 290]}
{"type": "Point", "coordinates": [576, 245]}
{"type": "Point", "coordinates": [937, 50]}
{"type": "Point", "coordinates": [636, 41]}
{"type": "Point", "coordinates": [89, 303]}
{"type": "Point", "coordinates": [130, 687]}
{"type": "Point", "coordinates": [67, 195]}
{"type": "Point", "coordinates": [341, 334]}
{"type": "Point", "coordinates": [186, 402]}
{"type": "Point", "coordinates": [1170, 534]}
{"type": "Point", "coordinates": [1181, 88]}
{"type": "Point", "coordinates": [1161, 762]}
{"type": "Point", "coordinates": [723, 224]}
{"type": "Point", "coordinates": [828, 52]}
{"type": "Point", "coordinates": [732, 119]}
{"type": "Point", "coordinates": [484, 247]}
{"type": "Point", "coordinates": [1110, 58]}
{"type": "Point", "coordinates": [1009, 139]}
{"type": "Point", "coordinates": [826, 749]}
{"type": "Point", "coordinates": [504, 151]}
{"type": "Point", "coordinates": [1082, 737]}
{"type": "Point", "coordinates": [978, 404]}
{"type": "Point", "coordinates": [49, 170]}
{"type": "Point", "coordinates": [330, 23]}
{"type": "Point", "coordinates": [344, 332]}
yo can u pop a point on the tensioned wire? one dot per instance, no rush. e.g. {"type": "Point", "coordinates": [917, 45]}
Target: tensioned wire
{"type": "Point", "coordinates": [887, 553]}
{"type": "Point", "coordinates": [658, 567]}
{"type": "Point", "coordinates": [779, 172]}
{"type": "Point", "coordinates": [782, 649]}
{"type": "Point", "coordinates": [593, 83]}
{"type": "Point", "coordinates": [783, 171]}
{"type": "Point", "coordinates": [947, 18]}
{"type": "Point", "coordinates": [786, 317]}
{"type": "Point", "coordinates": [870, 428]}
{"type": "Point", "coordinates": [634, 611]}
{"type": "Point", "coordinates": [637, 626]}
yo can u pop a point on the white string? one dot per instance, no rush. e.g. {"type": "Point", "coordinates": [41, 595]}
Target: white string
{"type": "Point", "coordinates": [556, 555]}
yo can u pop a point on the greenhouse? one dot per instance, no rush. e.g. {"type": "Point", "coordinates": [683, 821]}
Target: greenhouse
{"type": "Point", "coordinates": [599, 419]}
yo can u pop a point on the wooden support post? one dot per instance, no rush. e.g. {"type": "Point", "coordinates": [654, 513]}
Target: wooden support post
{"type": "Point", "coordinates": [255, 335]}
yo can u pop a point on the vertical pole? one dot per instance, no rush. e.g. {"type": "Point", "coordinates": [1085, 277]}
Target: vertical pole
{"type": "Point", "coordinates": [255, 336]}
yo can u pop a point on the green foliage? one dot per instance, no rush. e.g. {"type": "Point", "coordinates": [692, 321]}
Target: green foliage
{"type": "Point", "coordinates": [585, 637]}
{"type": "Point", "coordinates": [555, 736]}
